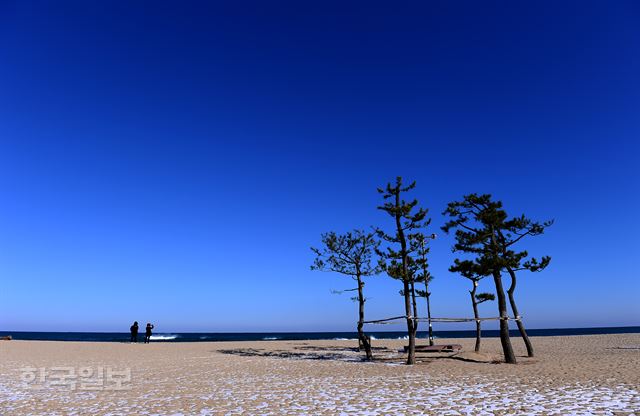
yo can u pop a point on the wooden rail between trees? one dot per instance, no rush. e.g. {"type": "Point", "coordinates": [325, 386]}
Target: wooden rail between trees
{"type": "Point", "coordinates": [395, 318]}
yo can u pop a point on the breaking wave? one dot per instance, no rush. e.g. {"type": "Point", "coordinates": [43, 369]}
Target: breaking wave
{"type": "Point", "coordinates": [163, 337]}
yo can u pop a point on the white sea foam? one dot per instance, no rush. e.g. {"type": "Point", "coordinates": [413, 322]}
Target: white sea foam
{"type": "Point", "coordinates": [270, 338]}
{"type": "Point", "coordinates": [163, 337]}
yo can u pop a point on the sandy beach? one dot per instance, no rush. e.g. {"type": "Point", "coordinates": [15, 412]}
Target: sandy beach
{"type": "Point", "coordinates": [597, 374]}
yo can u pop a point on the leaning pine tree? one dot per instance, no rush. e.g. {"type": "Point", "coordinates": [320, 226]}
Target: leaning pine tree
{"type": "Point", "coordinates": [477, 221]}
{"type": "Point", "coordinates": [350, 254]}
{"type": "Point", "coordinates": [474, 273]}
{"type": "Point", "coordinates": [510, 233]}
{"type": "Point", "coordinates": [397, 258]}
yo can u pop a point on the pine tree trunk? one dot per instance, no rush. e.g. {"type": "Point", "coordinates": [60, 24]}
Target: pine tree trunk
{"type": "Point", "coordinates": [414, 305]}
{"type": "Point", "coordinates": [361, 335]}
{"type": "Point", "coordinates": [476, 315]}
{"type": "Point", "coordinates": [411, 353]}
{"type": "Point", "coordinates": [429, 313]}
{"type": "Point", "coordinates": [516, 314]}
{"type": "Point", "coordinates": [509, 356]}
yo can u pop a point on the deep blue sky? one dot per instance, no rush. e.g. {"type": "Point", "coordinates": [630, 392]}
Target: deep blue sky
{"type": "Point", "coordinates": [173, 162]}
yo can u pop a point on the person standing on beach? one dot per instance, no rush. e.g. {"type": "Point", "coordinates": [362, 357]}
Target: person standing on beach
{"type": "Point", "coordinates": [134, 332]}
{"type": "Point", "coordinates": [147, 334]}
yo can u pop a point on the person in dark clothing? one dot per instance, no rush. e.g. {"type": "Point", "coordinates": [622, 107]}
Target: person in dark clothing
{"type": "Point", "coordinates": [134, 332]}
{"type": "Point", "coordinates": [147, 334]}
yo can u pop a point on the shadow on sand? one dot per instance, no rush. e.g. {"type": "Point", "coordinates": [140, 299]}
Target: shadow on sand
{"type": "Point", "coordinates": [305, 353]}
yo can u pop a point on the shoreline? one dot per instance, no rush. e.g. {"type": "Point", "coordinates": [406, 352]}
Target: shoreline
{"type": "Point", "coordinates": [419, 340]}
{"type": "Point", "coordinates": [302, 336]}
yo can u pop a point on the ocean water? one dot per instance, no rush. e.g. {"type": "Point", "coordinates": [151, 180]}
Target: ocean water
{"type": "Point", "coordinates": [292, 336]}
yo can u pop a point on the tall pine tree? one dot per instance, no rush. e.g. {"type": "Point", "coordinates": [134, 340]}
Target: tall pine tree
{"type": "Point", "coordinates": [397, 258]}
{"type": "Point", "coordinates": [484, 229]}
{"type": "Point", "coordinates": [477, 221]}
{"type": "Point", "coordinates": [422, 274]}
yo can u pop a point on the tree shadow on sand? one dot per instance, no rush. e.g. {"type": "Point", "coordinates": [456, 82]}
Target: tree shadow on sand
{"type": "Point", "coordinates": [303, 353]}
{"type": "Point", "coordinates": [336, 348]}
{"type": "Point", "coordinates": [347, 354]}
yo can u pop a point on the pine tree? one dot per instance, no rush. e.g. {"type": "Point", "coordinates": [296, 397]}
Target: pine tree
{"type": "Point", "coordinates": [512, 232]}
{"type": "Point", "coordinates": [477, 221]}
{"type": "Point", "coordinates": [474, 273]}
{"type": "Point", "coordinates": [423, 275]}
{"type": "Point", "coordinates": [397, 258]}
{"type": "Point", "coordinates": [350, 254]}
{"type": "Point", "coordinates": [492, 241]}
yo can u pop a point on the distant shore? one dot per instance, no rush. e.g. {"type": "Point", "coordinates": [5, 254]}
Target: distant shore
{"type": "Point", "coordinates": [595, 374]}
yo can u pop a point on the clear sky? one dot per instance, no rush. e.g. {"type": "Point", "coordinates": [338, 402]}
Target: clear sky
{"type": "Point", "coordinates": [173, 161]}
